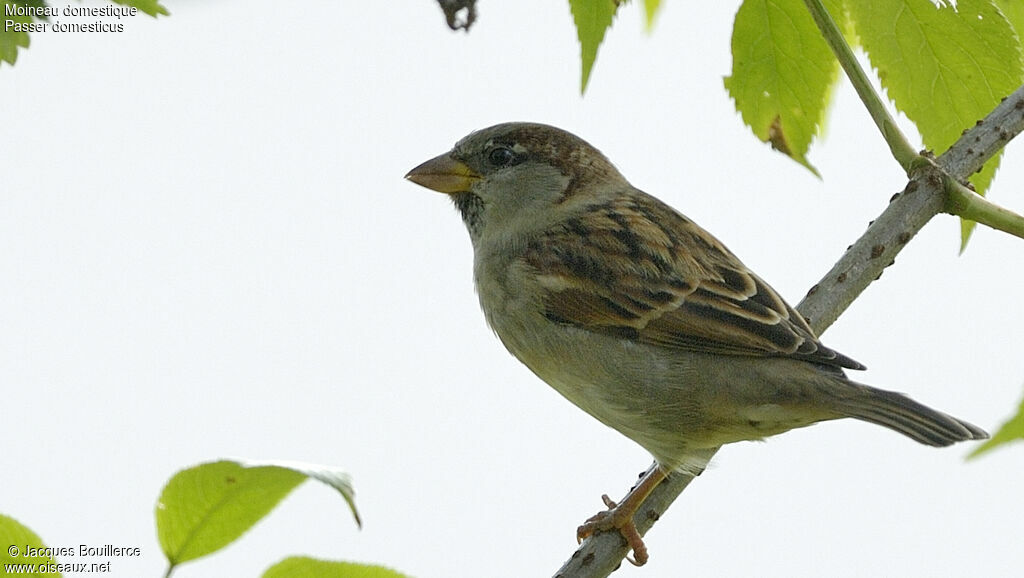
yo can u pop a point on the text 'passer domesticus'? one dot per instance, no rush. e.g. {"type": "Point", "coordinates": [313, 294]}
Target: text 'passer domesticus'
{"type": "Point", "coordinates": [639, 316]}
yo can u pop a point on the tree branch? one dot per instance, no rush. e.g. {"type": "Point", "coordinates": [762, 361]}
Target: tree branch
{"type": "Point", "coordinates": [928, 193]}
{"type": "Point", "coordinates": [967, 155]}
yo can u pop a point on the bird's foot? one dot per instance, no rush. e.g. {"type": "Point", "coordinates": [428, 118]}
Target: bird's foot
{"type": "Point", "coordinates": [620, 518]}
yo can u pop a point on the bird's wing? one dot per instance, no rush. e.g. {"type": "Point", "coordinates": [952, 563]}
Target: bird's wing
{"type": "Point", "coordinates": [635, 268]}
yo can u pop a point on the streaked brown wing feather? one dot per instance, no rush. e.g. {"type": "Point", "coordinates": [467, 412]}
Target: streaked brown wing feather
{"type": "Point", "coordinates": [627, 267]}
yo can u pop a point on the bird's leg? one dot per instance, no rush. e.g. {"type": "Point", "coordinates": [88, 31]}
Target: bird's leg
{"type": "Point", "coordinates": [620, 516]}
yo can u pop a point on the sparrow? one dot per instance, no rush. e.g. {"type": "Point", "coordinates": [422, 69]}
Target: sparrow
{"type": "Point", "coordinates": [640, 317]}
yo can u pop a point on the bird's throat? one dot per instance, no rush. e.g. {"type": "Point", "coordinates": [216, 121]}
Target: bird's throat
{"type": "Point", "coordinates": [471, 207]}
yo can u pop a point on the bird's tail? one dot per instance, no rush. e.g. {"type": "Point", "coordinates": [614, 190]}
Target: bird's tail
{"type": "Point", "coordinates": [912, 419]}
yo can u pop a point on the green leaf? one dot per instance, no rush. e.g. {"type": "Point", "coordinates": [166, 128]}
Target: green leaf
{"type": "Point", "coordinates": [1010, 431]}
{"type": "Point", "coordinates": [944, 67]}
{"type": "Point", "coordinates": [16, 541]}
{"type": "Point", "coordinates": [592, 18]}
{"type": "Point", "coordinates": [206, 507]}
{"type": "Point", "coordinates": [305, 567]}
{"type": "Point", "coordinates": [11, 40]}
{"type": "Point", "coordinates": [151, 7]}
{"type": "Point", "coordinates": [782, 74]}
{"type": "Point", "coordinates": [650, 12]}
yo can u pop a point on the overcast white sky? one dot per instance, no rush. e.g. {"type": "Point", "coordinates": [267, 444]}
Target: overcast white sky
{"type": "Point", "coordinates": [208, 250]}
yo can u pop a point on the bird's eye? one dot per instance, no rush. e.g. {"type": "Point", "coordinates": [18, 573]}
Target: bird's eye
{"type": "Point", "coordinates": [501, 156]}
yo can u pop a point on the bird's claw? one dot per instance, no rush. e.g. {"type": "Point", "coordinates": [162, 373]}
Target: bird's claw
{"type": "Point", "coordinates": [620, 520]}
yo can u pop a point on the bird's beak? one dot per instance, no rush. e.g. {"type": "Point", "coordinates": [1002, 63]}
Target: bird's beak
{"type": "Point", "coordinates": [444, 175]}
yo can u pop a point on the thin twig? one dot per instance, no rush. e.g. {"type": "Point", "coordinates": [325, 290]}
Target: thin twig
{"type": "Point", "coordinates": [901, 149]}
{"type": "Point", "coordinates": [960, 201]}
